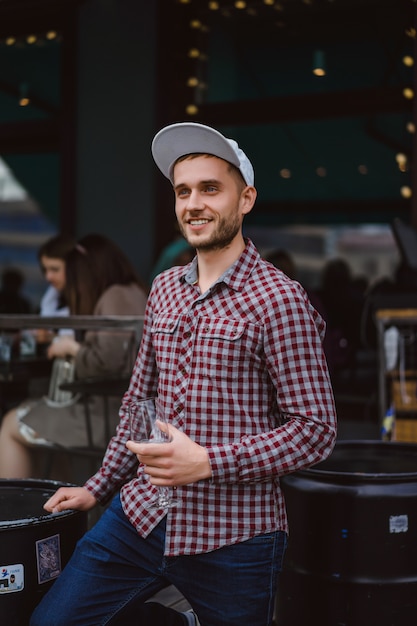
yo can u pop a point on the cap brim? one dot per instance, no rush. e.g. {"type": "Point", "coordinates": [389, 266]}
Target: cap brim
{"type": "Point", "coordinates": [177, 140]}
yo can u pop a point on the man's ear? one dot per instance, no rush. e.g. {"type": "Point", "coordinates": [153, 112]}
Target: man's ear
{"type": "Point", "coordinates": [247, 199]}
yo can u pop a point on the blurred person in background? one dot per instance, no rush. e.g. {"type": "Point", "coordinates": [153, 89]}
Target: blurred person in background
{"type": "Point", "coordinates": [51, 256]}
{"type": "Point", "coordinates": [100, 280]}
{"type": "Point", "coordinates": [283, 261]}
{"type": "Point", "coordinates": [11, 299]}
{"type": "Point", "coordinates": [341, 306]}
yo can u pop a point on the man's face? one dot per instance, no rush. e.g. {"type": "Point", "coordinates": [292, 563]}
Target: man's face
{"type": "Point", "coordinates": [209, 202]}
{"type": "Point", "coordinates": [54, 270]}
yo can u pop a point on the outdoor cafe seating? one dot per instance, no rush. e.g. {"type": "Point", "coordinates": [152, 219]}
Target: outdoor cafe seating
{"type": "Point", "coordinates": [27, 373]}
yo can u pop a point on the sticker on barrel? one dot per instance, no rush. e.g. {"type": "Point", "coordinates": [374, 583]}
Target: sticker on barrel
{"type": "Point", "coordinates": [398, 523]}
{"type": "Point", "coordinates": [48, 556]}
{"type": "Point", "coordinates": [12, 578]}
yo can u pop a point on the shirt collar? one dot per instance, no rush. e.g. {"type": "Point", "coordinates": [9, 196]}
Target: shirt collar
{"type": "Point", "coordinates": [235, 276]}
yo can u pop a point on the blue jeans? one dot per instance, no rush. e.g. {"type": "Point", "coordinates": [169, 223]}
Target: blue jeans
{"type": "Point", "coordinates": [113, 571]}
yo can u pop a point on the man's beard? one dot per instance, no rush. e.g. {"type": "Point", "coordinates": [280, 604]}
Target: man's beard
{"type": "Point", "coordinates": [219, 239]}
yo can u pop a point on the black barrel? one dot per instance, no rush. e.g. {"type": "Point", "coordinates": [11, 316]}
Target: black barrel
{"type": "Point", "coordinates": [352, 551]}
{"type": "Point", "coordinates": [34, 545]}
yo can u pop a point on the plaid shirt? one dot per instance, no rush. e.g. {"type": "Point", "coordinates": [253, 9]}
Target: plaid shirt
{"type": "Point", "coordinates": [241, 370]}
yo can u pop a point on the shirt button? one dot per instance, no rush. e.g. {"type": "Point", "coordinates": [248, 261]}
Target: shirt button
{"type": "Point", "coordinates": [178, 408]}
{"type": "Point", "coordinates": [187, 334]}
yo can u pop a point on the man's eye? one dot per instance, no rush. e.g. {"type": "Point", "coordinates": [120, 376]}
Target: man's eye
{"type": "Point", "coordinates": [183, 192]}
{"type": "Point", "coordinates": [211, 189]}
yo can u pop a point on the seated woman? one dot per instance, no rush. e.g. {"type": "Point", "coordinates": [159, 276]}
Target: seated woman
{"type": "Point", "coordinates": [51, 256]}
{"type": "Point", "coordinates": [100, 280]}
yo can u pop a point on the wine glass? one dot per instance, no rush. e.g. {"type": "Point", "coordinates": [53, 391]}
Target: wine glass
{"type": "Point", "coordinates": [144, 416]}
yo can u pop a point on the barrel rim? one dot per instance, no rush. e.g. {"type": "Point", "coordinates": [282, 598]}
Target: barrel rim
{"type": "Point", "coordinates": [37, 484]}
{"type": "Point", "coordinates": [361, 476]}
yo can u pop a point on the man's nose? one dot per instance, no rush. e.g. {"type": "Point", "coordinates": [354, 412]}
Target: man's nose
{"type": "Point", "coordinates": [195, 200]}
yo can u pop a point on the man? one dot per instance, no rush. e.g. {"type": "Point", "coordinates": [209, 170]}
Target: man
{"type": "Point", "coordinates": [232, 347]}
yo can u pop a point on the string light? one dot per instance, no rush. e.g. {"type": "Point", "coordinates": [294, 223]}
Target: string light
{"type": "Point", "coordinates": [319, 63]}
{"type": "Point", "coordinates": [194, 53]}
{"type": "Point", "coordinates": [401, 161]}
{"type": "Point", "coordinates": [406, 192]}
{"type": "Point", "coordinates": [195, 83]}
{"type": "Point", "coordinates": [408, 60]}
{"type": "Point", "coordinates": [24, 99]}
{"type": "Point", "coordinates": [32, 39]}
{"type": "Point", "coordinates": [191, 109]}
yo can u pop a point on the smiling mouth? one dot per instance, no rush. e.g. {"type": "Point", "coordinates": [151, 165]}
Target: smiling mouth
{"type": "Point", "coordinates": [198, 222]}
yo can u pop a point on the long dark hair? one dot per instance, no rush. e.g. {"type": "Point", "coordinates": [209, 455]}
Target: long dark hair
{"type": "Point", "coordinates": [94, 264]}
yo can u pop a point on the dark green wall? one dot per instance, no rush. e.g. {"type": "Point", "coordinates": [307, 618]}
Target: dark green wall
{"type": "Point", "coordinates": [116, 85]}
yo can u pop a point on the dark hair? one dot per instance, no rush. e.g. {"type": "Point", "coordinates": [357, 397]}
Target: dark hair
{"type": "Point", "coordinates": [56, 248]}
{"type": "Point", "coordinates": [12, 279]}
{"type": "Point", "coordinates": [94, 264]}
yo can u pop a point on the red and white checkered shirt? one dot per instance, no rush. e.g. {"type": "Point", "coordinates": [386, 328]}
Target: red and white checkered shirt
{"type": "Point", "coordinates": [241, 370]}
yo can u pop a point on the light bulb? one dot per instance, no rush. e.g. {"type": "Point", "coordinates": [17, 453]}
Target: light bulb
{"type": "Point", "coordinates": [319, 63]}
{"type": "Point", "coordinates": [191, 109]}
{"type": "Point", "coordinates": [194, 53]}
{"type": "Point", "coordinates": [406, 192]}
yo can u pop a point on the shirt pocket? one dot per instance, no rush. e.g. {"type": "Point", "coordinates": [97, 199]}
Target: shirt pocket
{"type": "Point", "coordinates": [228, 348]}
{"type": "Point", "coordinates": [163, 330]}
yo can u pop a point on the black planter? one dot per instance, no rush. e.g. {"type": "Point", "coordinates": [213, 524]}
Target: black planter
{"type": "Point", "coordinates": [352, 552]}
{"type": "Point", "coordinates": [34, 545]}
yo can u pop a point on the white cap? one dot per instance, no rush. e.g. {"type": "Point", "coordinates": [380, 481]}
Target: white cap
{"type": "Point", "coordinates": [177, 140]}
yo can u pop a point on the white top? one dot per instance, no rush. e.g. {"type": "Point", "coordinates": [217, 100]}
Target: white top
{"type": "Point", "coordinates": [49, 304]}
{"type": "Point", "coordinates": [49, 308]}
